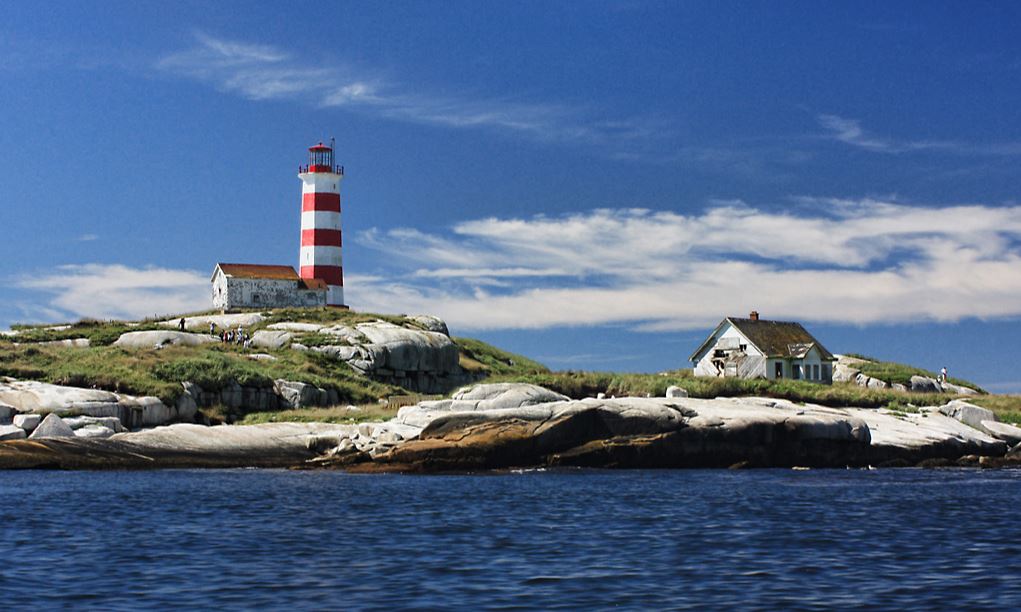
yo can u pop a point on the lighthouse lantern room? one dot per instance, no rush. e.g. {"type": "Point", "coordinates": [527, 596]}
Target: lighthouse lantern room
{"type": "Point", "coordinates": [320, 256]}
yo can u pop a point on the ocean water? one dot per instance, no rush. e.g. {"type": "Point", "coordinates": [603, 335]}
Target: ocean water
{"type": "Point", "coordinates": [579, 539]}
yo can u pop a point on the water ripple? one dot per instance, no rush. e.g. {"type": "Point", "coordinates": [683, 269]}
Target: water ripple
{"type": "Point", "coordinates": [262, 539]}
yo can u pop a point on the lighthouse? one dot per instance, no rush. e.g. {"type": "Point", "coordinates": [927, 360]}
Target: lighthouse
{"type": "Point", "coordinates": [320, 256]}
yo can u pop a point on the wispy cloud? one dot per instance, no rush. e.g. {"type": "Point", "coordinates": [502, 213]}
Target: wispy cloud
{"type": "Point", "coordinates": [88, 237]}
{"type": "Point", "coordinates": [857, 261]}
{"type": "Point", "coordinates": [118, 291]}
{"type": "Point", "coordinates": [262, 72]}
{"type": "Point", "coordinates": [851, 132]}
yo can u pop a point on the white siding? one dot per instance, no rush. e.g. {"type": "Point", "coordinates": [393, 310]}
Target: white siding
{"type": "Point", "coordinates": [728, 337]}
{"type": "Point", "coordinates": [231, 293]}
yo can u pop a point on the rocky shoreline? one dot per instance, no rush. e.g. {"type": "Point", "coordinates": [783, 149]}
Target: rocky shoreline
{"type": "Point", "coordinates": [499, 426]}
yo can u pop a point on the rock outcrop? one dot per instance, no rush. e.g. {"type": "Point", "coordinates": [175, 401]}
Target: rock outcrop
{"type": "Point", "coordinates": [178, 446]}
{"type": "Point", "coordinates": [1002, 431]}
{"type": "Point", "coordinates": [38, 398]}
{"type": "Point", "coordinates": [11, 432]}
{"type": "Point", "coordinates": [28, 422]}
{"type": "Point", "coordinates": [159, 339]}
{"type": "Point", "coordinates": [515, 425]}
{"type": "Point", "coordinates": [418, 360]}
{"type": "Point", "coordinates": [665, 432]}
{"type": "Point", "coordinates": [271, 339]}
{"type": "Point", "coordinates": [849, 369]}
{"type": "Point", "coordinates": [52, 427]}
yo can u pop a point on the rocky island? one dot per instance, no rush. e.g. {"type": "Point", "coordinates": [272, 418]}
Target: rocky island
{"type": "Point", "coordinates": [211, 399]}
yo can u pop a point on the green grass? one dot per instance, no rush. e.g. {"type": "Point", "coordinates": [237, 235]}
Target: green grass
{"type": "Point", "coordinates": [335, 414]}
{"type": "Point", "coordinates": [331, 316]}
{"type": "Point", "coordinates": [578, 385]}
{"type": "Point", "coordinates": [486, 358]}
{"type": "Point", "coordinates": [893, 372]}
{"type": "Point", "coordinates": [317, 339]}
{"type": "Point", "coordinates": [159, 373]}
{"type": "Point", "coordinates": [99, 333]}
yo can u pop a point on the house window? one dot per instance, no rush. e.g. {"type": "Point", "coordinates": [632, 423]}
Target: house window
{"type": "Point", "coordinates": [778, 371]}
{"type": "Point", "coordinates": [815, 371]}
{"type": "Point", "coordinates": [826, 372]}
{"type": "Point", "coordinates": [796, 371]}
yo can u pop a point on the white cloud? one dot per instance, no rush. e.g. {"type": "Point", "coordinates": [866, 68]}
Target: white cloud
{"type": "Point", "coordinates": [850, 131]}
{"type": "Point", "coordinates": [88, 237]}
{"type": "Point", "coordinates": [261, 72]}
{"type": "Point", "coordinates": [121, 292]}
{"type": "Point", "coordinates": [833, 260]}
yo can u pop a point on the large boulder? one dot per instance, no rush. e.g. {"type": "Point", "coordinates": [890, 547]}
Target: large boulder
{"type": "Point", "coordinates": [412, 349]}
{"type": "Point", "coordinates": [28, 422]}
{"type": "Point", "coordinates": [271, 339]}
{"type": "Point", "coordinates": [875, 383]}
{"type": "Point", "coordinates": [843, 372]}
{"type": "Point", "coordinates": [80, 422]}
{"type": "Point", "coordinates": [7, 413]}
{"type": "Point", "coordinates": [958, 389]}
{"type": "Point", "coordinates": [296, 394]}
{"type": "Point", "coordinates": [36, 397]}
{"type": "Point", "coordinates": [11, 432]}
{"type": "Point", "coordinates": [924, 384]}
{"type": "Point", "coordinates": [675, 391]}
{"type": "Point", "coordinates": [969, 414]}
{"type": "Point", "coordinates": [179, 446]}
{"type": "Point", "coordinates": [1003, 431]}
{"type": "Point", "coordinates": [507, 395]}
{"type": "Point", "coordinates": [94, 431]}
{"type": "Point", "coordinates": [42, 398]}
{"type": "Point", "coordinates": [481, 398]}
{"type": "Point", "coordinates": [52, 427]}
{"type": "Point", "coordinates": [431, 323]}
{"type": "Point", "coordinates": [158, 339]}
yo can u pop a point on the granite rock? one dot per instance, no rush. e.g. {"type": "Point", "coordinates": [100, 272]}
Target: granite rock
{"type": "Point", "coordinates": [52, 427]}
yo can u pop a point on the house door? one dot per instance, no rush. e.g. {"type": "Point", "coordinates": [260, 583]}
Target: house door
{"type": "Point", "coordinates": [778, 371]}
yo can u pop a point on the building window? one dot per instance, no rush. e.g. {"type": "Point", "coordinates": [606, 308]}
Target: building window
{"type": "Point", "coordinates": [815, 371]}
{"type": "Point", "coordinates": [826, 371]}
{"type": "Point", "coordinates": [796, 371]}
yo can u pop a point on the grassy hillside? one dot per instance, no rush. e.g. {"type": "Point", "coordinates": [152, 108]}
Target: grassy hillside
{"type": "Point", "coordinates": [214, 366]}
{"type": "Point", "coordinates": [893, 372]}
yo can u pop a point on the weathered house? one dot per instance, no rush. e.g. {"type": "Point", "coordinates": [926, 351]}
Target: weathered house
{"type": "Point", "coordinates": [237, 286]}
{"type": "Point", "coordinates": [754, 348]}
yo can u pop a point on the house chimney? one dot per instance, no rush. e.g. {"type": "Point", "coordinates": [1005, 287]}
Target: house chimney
{"type": "Point", "coordinates": [754, 316]}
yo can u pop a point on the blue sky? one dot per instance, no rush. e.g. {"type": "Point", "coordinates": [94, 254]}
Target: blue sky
{"type": "Point", "coordinates": [592, 184]}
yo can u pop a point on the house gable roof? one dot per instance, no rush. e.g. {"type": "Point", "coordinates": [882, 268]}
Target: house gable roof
{"type": "Point", "coordinates": [779, 338]}
{"type": "Point", "coordinates": [772, 338]}
{"type": "Point", "coordinates": [257, 271]}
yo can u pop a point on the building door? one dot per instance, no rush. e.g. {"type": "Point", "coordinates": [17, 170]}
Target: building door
{"type": "Point", "coordinates": [778, 371]}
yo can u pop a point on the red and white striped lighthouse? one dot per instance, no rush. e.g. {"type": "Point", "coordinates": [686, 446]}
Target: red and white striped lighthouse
{"type": "Point", "coordinates": [320, 222]}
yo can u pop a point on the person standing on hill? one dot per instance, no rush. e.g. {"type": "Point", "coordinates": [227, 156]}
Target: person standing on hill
{"type": "Point", "coordinates": [943, 375]}
{"type": "Point", "coordinates": [181, 324]}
